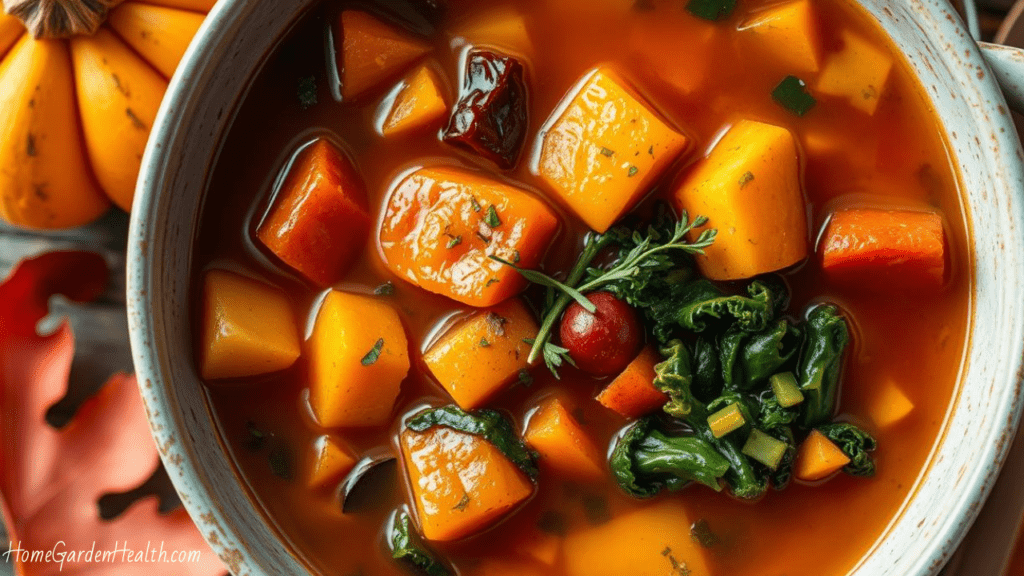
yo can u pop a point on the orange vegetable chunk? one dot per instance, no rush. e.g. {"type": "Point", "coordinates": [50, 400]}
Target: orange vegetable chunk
{"type": "Point", "coordinates": [605, 148]}
{"type": "Point", "coordinates": [358, 357]}
{"type": "Point", "coordinates": [753, 172]}
{"type": "Point", "coordinates": [418, 104]}
{"type": "Point", "coordinates": [248, 328]}
{"type": "Point", "coordinates": [818, 458]}
{"type": "Point", "coordinates": [789, 33]}
{"type": "Point", "coordinates": [319, 222]}
{"type": "Point", "coordinates": [331, 461]}
{"type": "Point", "coordinates": [460, 483]}
{"type": "Point", "coordinates": [889, 405]}
{"type": "Point", "coordinates": [160, 34]}
{"type": "Point", "coordinates": [632, 394]}
{"type": "Point", "coordinates": [884, 248]}
{"type": "Point", "coordinates": [858, 73]}
{"type": "Point", "coordinates": [373, 53]}
{"type": "Point", "coordinates": [437, 234]}
{"type": "Point", "coordinates": [10, 30]}
{"type": "Point", "coordinates": [652, 541]}
{"type": "Point", "coordinates": [479, 357]}
{"type": "Point", "coordinates": [562, 443]}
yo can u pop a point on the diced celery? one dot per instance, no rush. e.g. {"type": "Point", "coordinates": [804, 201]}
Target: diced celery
{"type": "Point", "coordinates": [726, 420]}
{"type": "Point", "coordinates": [765, 449]}
{"type": "Point", "coordinates": [787, 391]}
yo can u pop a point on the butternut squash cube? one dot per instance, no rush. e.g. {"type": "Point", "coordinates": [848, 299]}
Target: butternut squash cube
{"type": "Point", "coordinates": [373, 53]}
{"type": "Point", "coordinates": [441, 226]}
{"type": "Point", "coordinates": [749, 188]}
{"type": "Point", "coordinates": [319, 222]}
{"type": "Point", "coordinates": [248, 328]}
{"type": "Point", "coordinates": [858, 73]}
{"type": "Point", "coordinates": [460, 482]}
{"type": "Point", "coordinates": [503, 28]}
{"type": "Point", "coordinates": [890, 405]}
{"type": "Point", "coordinates": [479, 357]}
{"type": "Point", "coordinates": [818, 458]}
{"type": "Point", "coordinates": [358, 357]}
{"type": "Point", "coordinates": [604, 148]}
{"type": "Point", "coordinates": [160, 34]}
{"type": "Point", "coordinates": [632, 394]}
{"type": "Point", "coordinates": [789, 33]}
{"type": "Point", "coordinates": [562, 444]}
{"type": "Point", "coordinates": [417, 104]}
{"type": "Point", "coordinates": [652, 541]}
{"type": "Point", "coordinates": [331, 461]}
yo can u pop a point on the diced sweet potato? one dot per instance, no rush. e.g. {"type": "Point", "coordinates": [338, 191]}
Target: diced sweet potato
{"type": "Point", "coordinates": [373, 53]}
{"type": "Point", "coordinates": [503, 28]}
{"type": "Point", "coordinates": [442, 224]}
{"type": "Point", "coordinates": [632, 394]}
{"type": "Point", "coordinates": [749, 188]}
{"type": "Point", "coordinates": [818, 458]}
{"type": "Point", "coordinates": [562, 444]}
{"type": "Point", "coordinates": [858, 73]}
{"type": "Point", "coordinates": [418, 104]}
{"type": "Point", "coordinates": [479, 357]}
{"type": "Point", "coordinates": [889, 405]}
{"type": "Point", "coordinates": [331, 461]}
{"type": "Point", "coordinates": [789, 32]}
{"type": "Point", "coordinates": [248, 328]}
{"type": "Point", "coordinates": [605, 148]}
{"type": "Point", "coordinates": [885, 249]}
{"type": "Point", "coordinates": [460, 483]}
{"type": "Point", "coordinates": [358, 357]}
{"type": "Point", "coordinates": [652, 541]}
{"type": "Point", "coordinates": [319, 222]}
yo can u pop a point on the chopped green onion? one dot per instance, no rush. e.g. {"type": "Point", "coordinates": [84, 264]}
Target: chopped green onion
{"type": "Point", "coordinates": [726, 420]}
{"type": "Point", "coordinates": [711, 9]}
{"type": "Point", "coordinates": [787, 391]}
{"type": "Point", "coordinates": [765, 449]}
{"type": "Point", "coordinates": [792, 95]}
{"type": "Point", "coordinates": [374, 353]}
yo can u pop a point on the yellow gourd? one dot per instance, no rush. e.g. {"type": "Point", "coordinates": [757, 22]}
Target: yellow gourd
{"type": "Point", "coordinates": [78, 98]}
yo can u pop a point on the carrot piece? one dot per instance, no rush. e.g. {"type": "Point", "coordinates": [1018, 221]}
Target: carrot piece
{"type": "Point", "coordinates": [882, 248]}
{"type": "Point", "coordinates": [858, 73]}
{"type": "Point", "coordinates": [562, 443]}
{"type": "Point", "coordinates": [161, 35]}
{"type": "Point", "coordinates": [45, 180]}
{"type": "Point", "coordinates": [418, 104]}
{"type": "Point", "coordinates": [373, 52]}
{"type": "Point", "coordinates": [460, 482]}
{"type": "Point", "coordinates": [632, 393]}
{"type": "Point", "coordinates": [818, 458]}
{"type": "Point", "coordinates": [441, 225]}
{"type": "Point", "coordinates": [118, 98]}
{"type": "Point", "coordinates": [652, 541]}
{"type": "Point", "coordinates": [248, 328]}
{"type": "Point", "coordinates": [358, 357]}
{"type": "Point", "coordinates": [11, 29]}
{"type": "Point", "coordinates": [789, 32]}
{"type": "Point", "coordinates": [319, 223]}
{"type": "Point", "coordinates": [753, 170]}
{"type": "Point", "coordinates": [331, 461]}
{"type": "Point", "coordinates": [479, 357]}
{"type": "Point", "coordinates": [605, 148]}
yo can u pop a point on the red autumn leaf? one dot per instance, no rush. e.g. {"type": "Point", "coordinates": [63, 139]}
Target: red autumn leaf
{"type": "Point", "coordinates": [51, 480]}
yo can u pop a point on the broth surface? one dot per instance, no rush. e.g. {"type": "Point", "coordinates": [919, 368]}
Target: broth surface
{"type": "Point", "coordinates": [702, 77]}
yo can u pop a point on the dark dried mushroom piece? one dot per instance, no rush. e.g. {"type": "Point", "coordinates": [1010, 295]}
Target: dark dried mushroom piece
{"type": "Point", "coordinates": [491, 115]}
{"type": "Point", "coordinates": [369, 485]}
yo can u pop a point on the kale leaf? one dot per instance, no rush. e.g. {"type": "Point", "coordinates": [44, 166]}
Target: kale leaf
{"type": "Point", "coordinates": [827, 336]}
{"type": "Point", "coordinates": [488, 424]}
{"type": "Point", "coordinates": [406, 546]}
{"type": "Point", "coordinates": [748, 359]}
{"type": "Point", "coordinates": [856, 444]}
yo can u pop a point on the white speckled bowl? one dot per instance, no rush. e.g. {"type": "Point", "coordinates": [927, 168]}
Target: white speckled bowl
{"type": "Point", "coordinates": [198, 111]}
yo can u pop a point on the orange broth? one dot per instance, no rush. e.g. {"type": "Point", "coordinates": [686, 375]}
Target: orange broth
{"type": "Point", "coordinates": [917, 339]}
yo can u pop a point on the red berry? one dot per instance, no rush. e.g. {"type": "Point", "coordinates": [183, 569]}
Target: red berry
{"type": "Point", "coordinates": [605, 342]}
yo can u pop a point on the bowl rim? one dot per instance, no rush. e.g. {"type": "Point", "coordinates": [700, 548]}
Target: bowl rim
{"type": "Point", "coordinates": [167, 426]}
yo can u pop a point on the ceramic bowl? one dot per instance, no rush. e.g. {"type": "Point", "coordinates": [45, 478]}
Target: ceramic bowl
{"type": "Point", "coordinates": [198, 111]}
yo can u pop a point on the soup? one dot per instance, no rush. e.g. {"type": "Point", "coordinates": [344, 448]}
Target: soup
{"type": "Point", "coordinates": [561, 287]}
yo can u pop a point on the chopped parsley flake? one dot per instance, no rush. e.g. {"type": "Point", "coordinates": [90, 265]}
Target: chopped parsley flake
{"type": "Point", "coordinates": [476, 205]}
{"type": "Point", "coordinates": [454, 241]}
{"type": "Point", "coordinates": [463, 503]}
{"type": "Point", "coordinates": [633, 171]}
{"type": "Point", "coordinates": [484, 343]}
{"type": "Point", "coordinates": [792, 95]}
{"type": "Point", "coordinates": [491, 282]}
{"type": "Point", "coordinates": [607, 152]}
{"type": "Point", "coordinates": [374, 354]}
{"type": "Point", "coordinates": [492, 217]}
{"type": "Point", "coordinates": [525, 378]}
{"type": "Point", "coordinates": [747, 178]}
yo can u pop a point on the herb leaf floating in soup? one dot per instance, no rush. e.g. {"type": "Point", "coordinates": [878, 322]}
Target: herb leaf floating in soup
{"type": "Point", "coordinates": [520, 290]}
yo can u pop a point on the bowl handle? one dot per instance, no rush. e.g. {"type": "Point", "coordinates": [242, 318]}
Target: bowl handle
{"type": "Point", "coordinates": [1007, 64]}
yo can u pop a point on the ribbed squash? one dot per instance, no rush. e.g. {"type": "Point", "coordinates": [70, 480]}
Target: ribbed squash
{"type": "Point", "coordinates": [80, 85]}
